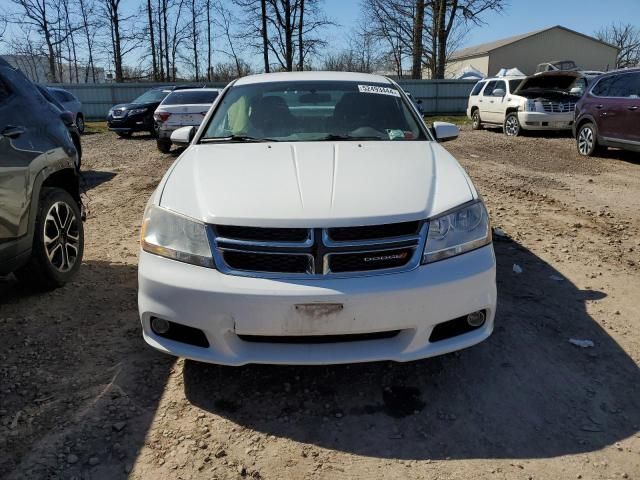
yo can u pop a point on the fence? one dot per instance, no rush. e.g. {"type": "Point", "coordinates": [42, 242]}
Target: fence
{"type": "Point", "coordinates": [438, 96]}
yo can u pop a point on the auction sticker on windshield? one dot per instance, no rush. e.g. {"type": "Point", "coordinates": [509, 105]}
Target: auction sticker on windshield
{"type": "Point", "coordinates": [379, 90]}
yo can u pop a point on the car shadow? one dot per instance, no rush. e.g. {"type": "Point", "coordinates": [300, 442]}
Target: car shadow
{"type": "Point", "coordinates": [526, 392]}
{"type": "Point", "coordinates": [622, 155]}
{"type": "Point", "coordinates": [77, 377]}
{"type": "Point", "coordinates": [92, 178]}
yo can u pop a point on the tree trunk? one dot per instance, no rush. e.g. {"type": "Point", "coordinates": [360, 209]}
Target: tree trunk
{"type": "Point", "coordinates": [117, 53]}
{"type": "Point", "coordinates": [195, 38]}
{"type": "Point", "coordinates": [265, 47]}
{"type": "Point", "coordinates": [152, 41]}
{"type": "Point", "coordinates": [418, 27]}
{"type": "Point", "coordinates": [300, 44]}
{"type": "Point", "coordinates": [166, 39]}
{"type": "Point", "coordinates": [288, 36]}
{"type": "Point", "coordinates": [160, 46]}
{"type": "Point", "coordinates": [209, 40]}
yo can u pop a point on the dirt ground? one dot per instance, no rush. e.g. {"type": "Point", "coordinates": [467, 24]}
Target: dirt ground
{"type": "Point", "coordinates": [83, 397]}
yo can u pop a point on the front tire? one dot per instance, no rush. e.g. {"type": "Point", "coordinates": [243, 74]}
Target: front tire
{"type": "Point", "coordinates": [164, 145]}
{"type": "Point", "coordinates": [58, 242]}
{"type": "Point", "coordinates": [512, 125]}
{"type": "Point", "coordinates": [476, 122]}
{"type": "Point", "coordinates": [80, 123]}
{"type": "Point", "coordinates": [587, 140]}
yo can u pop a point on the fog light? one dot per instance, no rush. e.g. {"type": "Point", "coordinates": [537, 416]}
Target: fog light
{"type": "Point", "coordinates": [160, 326]}
{"type": "Point", "coordinates": [476, 319]}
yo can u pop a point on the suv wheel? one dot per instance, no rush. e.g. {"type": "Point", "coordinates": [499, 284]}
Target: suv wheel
{"type": "Point", "coordinates": [587, 140]}
{"type": "Point", "coordinates": [80, 123]}
{"type": "Point", "coordinates": [512, 125]}
{"type": "Point", "coordinates": [164, 145]}
{"type": "Point", "coordinates": [58, 242]}
{"type": "Point", "coordinates": [476, 123]}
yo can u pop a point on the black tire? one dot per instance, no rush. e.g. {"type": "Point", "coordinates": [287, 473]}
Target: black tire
{"type": "Point", "coordinates": [587, 140]}
{"type": "Point", "coordinates": [164, 145]}
{"type": "Point", "coordinates": [53, 261]}
{"type": "Point", "coordinates": [124, 134]}
{"type": "Point", "coordinates": [476, 122]}
{"type": "Point", "coordinates": [80, 123]}
{"type": "Point", "coordinates": [511, 126]}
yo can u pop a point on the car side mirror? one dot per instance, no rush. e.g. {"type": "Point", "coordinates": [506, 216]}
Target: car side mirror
{"type": "Point", "coordinates": [67, 117]}
{"type": "Point", "coordinates": [444, 131]}
{"type": "Point", "coordinates": [498, 92]}
{"type": "Point", "coordinates": [183, 135]}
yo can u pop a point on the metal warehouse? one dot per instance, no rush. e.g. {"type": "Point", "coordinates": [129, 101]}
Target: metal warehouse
{"type": "Point", "coordinates": [526, 51]}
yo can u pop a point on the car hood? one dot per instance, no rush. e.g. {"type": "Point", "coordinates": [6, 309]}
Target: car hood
{"type": "Point", "coordinates": [551, 81]}
{"type": "Point", "coordinates": [314, 184]}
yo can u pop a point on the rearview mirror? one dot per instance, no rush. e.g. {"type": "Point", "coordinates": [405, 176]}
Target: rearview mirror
{"type": "Point", "coordinates": [498, 92]}
{"type": "Point", "coordinates": [183, 135]}
{"type": "Point", "coordinates": [444, 131]}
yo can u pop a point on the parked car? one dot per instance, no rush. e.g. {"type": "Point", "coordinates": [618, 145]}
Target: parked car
{"type": "Point", "coordinates": [544, 101]}
{"type": "Point", "coordinates": [41, 232]}
{"type": "Point", "coordinates": [557, 65]}
{"type": "Point", "coordinates": [67, 117]}
{"type": "Point", "coordinates": [127, 118]}
{"type": "Point", "coordinates": [182, 108]}
{"type": "Point", "coordinates": [71, 104]}
{"type": "Point", "coordinates": [314, 218]}
{"type": "Point", "coordinates": [608, 115]}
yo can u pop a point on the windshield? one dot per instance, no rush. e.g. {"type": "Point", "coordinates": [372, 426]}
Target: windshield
{"type": "Point", "coordinates": [313, 111]}
{"type": "Point", "coordinates": [203, 97]}
{"type": "Point", "coordinates": [152, 96]}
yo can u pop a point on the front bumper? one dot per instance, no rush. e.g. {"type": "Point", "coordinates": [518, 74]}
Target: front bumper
{"type": "Point", "coordinates": [226, 306]}
{"type": "Point", "coordinates": [545, 121]}
{"type": "Point", "coordinates": [135, 123]}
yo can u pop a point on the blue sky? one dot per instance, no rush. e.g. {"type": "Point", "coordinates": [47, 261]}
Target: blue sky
{"type": "Point", "coordinates": [521, 16]}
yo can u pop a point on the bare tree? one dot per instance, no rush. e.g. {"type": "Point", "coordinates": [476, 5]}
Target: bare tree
{"type": "Point", "coordinates": [112, 13]}
{"type": "Point", "coordinates": [87, 12]}
{"type": "Point", "coordinates": [264, 34]}
{"type": "Point", "coordinates": [154, 60]}
{"type": "Point", "coordinates": [627, 38]}
{"type": "Point", "coordinates": [40, 15]}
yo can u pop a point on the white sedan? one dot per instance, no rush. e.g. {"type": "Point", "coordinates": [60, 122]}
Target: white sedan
{"type": "Point", "coordinates": [181, 108]}
{"type": "Point", "coordinates": [315, 219]}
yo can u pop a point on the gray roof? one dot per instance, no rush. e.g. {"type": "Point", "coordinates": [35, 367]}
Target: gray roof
{"type": "Point", "coordinates": [485, 48]}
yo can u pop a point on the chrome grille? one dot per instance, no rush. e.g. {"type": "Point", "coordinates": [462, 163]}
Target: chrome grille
{"type": "Point", "coordinates": [558, 107]}
{"type": "Point", "coordinates": [317, 252]}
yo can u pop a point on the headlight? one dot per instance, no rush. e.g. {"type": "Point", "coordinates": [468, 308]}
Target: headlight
{"type": "Point", "coordinates": [136, 111]}
{"type": "Point", "coordinates": [459, 231]}
{"type": "Point", "coordinates": [175, 236]}
{"type": "Point", "coordinates": [530, 106]}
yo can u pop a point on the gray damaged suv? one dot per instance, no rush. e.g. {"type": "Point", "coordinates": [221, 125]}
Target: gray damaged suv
{"type": "Point", "coordinates": [41, 232]}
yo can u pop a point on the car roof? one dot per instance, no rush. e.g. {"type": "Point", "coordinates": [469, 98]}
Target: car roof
{"type": "Point", "coordinates": [622, 70]}
{"type": "Point", "coordinates": [312, 76]}
{"type": "Point", "coordinates": [506, 77]}
{"type": "Point", "coordinates": [196, 90]}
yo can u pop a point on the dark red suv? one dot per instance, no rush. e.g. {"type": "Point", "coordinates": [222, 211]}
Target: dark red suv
{"type": "Point", "coordinates": [608, 115]}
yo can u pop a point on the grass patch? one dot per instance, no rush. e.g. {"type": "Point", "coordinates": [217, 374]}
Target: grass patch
{"type": "Point", "coordinates": [455, 119]}
{"type": "Point", "coordinates": [95, 127]}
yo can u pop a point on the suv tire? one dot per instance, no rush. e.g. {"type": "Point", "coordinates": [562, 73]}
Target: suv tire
{"type": "Point", "coordinates": [587, 140]}
{"type": "Point", "coordinates": [58, 242]}
{"type": "Point", "coordinates": [511, 125]}
{"type": "Point", "coordinates": [80, 123]}
{"type": "Point", "coordinates": [476, 123]}
{"type": "Point", "coordinates": [164, 145]}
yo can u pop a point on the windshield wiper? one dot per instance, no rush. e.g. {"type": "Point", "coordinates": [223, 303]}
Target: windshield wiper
{"type": "Point", "coordinates": [333, 136]}
{"type": "Point", "coordinates": [237, 138]}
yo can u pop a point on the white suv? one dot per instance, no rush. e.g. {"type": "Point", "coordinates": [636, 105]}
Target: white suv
{"type": "Point", "coordinates": [314, 218]}
{"type": "Point", "coordinates": [544, 101]}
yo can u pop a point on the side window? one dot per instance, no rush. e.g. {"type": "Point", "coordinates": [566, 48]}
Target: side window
{"type": "Point", "coordinates": [501, 85]}
{"type": "Point", "coordinates": [489, 88]}
{"type": "Point", "coordinates": [601, 89]}
{"type": "Point", "coordinates": [476, 89]}
{"type": "Point", "coordinates": [617, 86]}
{"type": "Point", "coordinates": [514, 84]}
{"type": "Point", "coordinates": [635, 85]}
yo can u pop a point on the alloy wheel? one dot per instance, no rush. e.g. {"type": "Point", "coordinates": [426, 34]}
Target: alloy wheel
{"type": "Point", "coordinates": [512, 126]}
{"type": "Point", "coordinates": [476, 120]}
{"type": "Point", "coordinates": [80, 124]}
{"type": "Point", "coordinates": [585, 140]}
{"type": "Point", "coordinates": [61, 236]}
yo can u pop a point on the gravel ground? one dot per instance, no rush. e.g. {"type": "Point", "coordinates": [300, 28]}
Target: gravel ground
{"type": "Point", "coordinates": [82, 396]}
